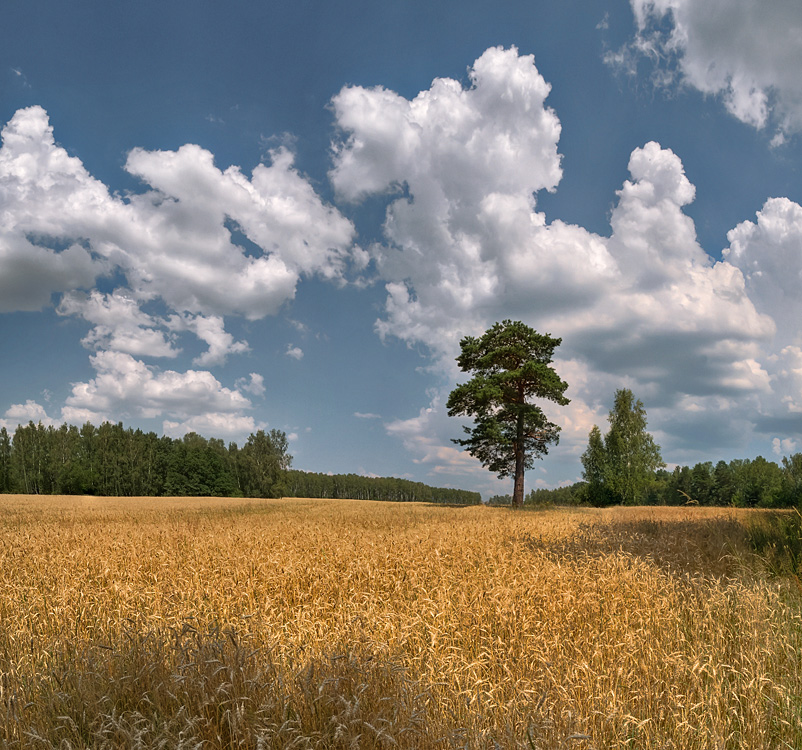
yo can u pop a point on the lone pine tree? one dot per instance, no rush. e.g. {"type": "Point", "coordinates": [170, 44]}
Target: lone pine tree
{"type": "Point", "coordinates": [510, 364]}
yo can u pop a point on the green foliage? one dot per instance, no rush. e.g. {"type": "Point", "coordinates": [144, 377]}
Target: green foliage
{"type": "Point", "coordinates": [5, 461]}
{"type": "Point", "coordinates": [263, 461]}
{"type": "Point", "coordinates": [746, 483]}
{"type": "Point", "coordinates": [621, 468]}
{"type": "Point", "coordinates": [510, 364]}
{"type": "Point", "coordinates": [594, 463]}
{"type": "Point", "coordinates": [741, 482]}
{"type": "Point", "coordinates": [500, 500]}
{"type": "Point", "coordinates": [111, 460]}
{"type": "Point", "coordinates": [356, 486]}
{"type": "Point", "coordinates": [197, 467]}
{"type": "Point", "coordinates": [569, 495]}
{"type": "Point", "coordinates": [631, 455]}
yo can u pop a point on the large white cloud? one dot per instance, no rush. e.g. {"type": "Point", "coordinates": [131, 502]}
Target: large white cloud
{"type": "Point", "coordinates": [747, 51]}
{"type": "Point", "coordinates": [174, 241]}
{"type": "Point", "coordinates": [198, 242]}
{"type": "Point", "coordinates": [119, 324]}
{"type": "Point", "coordinates": [769, 252]}
{"type": "Point", "coordinates": [195, 266]}
{"type": "Point", "coordinates": [126, 387]}
{"type": "Point", "coordinates": [37, 184]}
{"type": "Point", "coordinates": [645, 307]}
{"type": "Point", "coordinates": [470, 161]}
{"type": "Point", "coordinates": [22, 414]}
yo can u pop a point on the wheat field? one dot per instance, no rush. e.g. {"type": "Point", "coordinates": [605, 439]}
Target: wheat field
{"type": "Point", "coordinates": [219, 623]}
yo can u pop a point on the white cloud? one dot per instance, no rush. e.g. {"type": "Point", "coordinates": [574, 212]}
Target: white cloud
{"type": "Point", "coordinates": [22, 414]}
{"type": "Point", "coordinates": [214, 425]}
{"type": "Point", "coordinates": [128, 387]}
{"type": "Point", "coordinates": [645, 307]}
{"type": "Point", "coordinates": [784, 447]}
{"type": "Point", "coordinates": [749, 52]}
{"type": "Point", "coordinates": [465, 156]}
{"type": "Point", "coordinates": [119, 324]}
{"type": "Point", "coordinates": [769, 253]}
{"type": "Point", "coordinates": [366, 415]}
{"type": "Point", "coordinates": [200, 241]}
{"type": "Point", "coordinates": [205, 241]}
{"type": "Point", "coordinates": [211, 330]}
{"type": "Point", "coordinates": [295, 352]}
{"type": "Point", "coordinates": [202, 269]}
{"type": "Point", "coordinates": [39, 187]}
{"type": "Point", "coordinates": [254, 384]}
{"type": "Point", "coordinates": [30, 274]}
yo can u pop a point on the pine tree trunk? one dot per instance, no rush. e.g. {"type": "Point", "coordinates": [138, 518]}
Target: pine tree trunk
{"type": "Point", "coordinates": [518, 487]}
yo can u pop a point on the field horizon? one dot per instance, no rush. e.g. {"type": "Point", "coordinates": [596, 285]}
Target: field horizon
{"type": "Point", "coordinates": [308, 623]}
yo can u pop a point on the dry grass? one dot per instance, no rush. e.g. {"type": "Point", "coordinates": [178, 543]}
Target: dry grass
{"type": "Point", "coordinates": [344, 624]}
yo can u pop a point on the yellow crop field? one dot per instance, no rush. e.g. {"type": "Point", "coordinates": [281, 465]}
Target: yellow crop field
{"type": "Point", "coordinates": [347, 624]}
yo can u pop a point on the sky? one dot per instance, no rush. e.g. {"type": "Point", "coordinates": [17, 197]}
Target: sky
{"type": "Point", "coordinates": [222, 218]}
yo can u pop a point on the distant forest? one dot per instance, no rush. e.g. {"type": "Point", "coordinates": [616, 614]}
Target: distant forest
{"type": "Point", "coordinates": [112, 460]}
{"type": "Point", "coordinates": [743, 483]}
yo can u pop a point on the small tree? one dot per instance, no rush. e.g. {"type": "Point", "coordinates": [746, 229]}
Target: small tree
{"type": "Point", "coordinates": [631, 454]}
{"type": "Point", "coordinates": [510, 366]}
{"type": "Point", "coordinates": [594, 464]}
{"type": "Point", "coordinates": [264, 461]}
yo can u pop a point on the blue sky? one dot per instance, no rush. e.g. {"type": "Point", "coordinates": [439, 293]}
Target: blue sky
{"type": "Point", "coordinates": [287, 214]}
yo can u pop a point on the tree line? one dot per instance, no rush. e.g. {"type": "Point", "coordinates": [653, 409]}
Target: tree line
{"type": "Point", "coordinates": [625, 467]}
{"type": "Point", "coordinates": [742, 483]}
{"type": "Point", "coordinates": [310, 484]}
{"type": "Point", "coordinates": [112, 460]}
{"type": "Point", "coordinates": [510, 368]}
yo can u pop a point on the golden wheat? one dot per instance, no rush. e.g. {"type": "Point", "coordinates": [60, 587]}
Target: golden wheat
{"type": "Point", "coordinates": [345, 624]}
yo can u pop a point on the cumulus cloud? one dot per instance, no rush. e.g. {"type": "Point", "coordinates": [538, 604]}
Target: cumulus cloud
{"type": "Point", "coordinates": [128, 387]}
{"type": "Point", "coordinates": [645, 307]}
{"type": "Point", "coordinates": [294, 352]}
{"type": "Point", "coordinates": [31, 274]}
{"type": "Point", "coordinates": [195, 266]}
{"type": "Point", "coordinates": [747, 52]}
{"type": "Point", "coordinates": [218, 425]}
{"type": "Point", "coordinates": [206, 241]}
{"type": "Point", "coordinates": [36, 258]}
{"type": "Point", "coordinates": [768, 251]}
{"type": "Point", "coordinates": [199, 241]}
{"type": "Point", "coordinates": [784, 447]}
{"type": "Point", "coordinates": [22, 414]}
{"type": "Point", "coordinates": [254, 384]}
{"type": "Point", "coordinates": [211, 330]}
{"type": "Point", "coordinates": [463, 157]}
{"type": "Point", "coordinates": [119, 324]}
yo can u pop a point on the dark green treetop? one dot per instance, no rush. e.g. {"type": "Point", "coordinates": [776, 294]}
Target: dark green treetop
{"type": "Point", "coordinates": [510, 363]}
{"type": "Point", "coordinates": [622, 468]}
